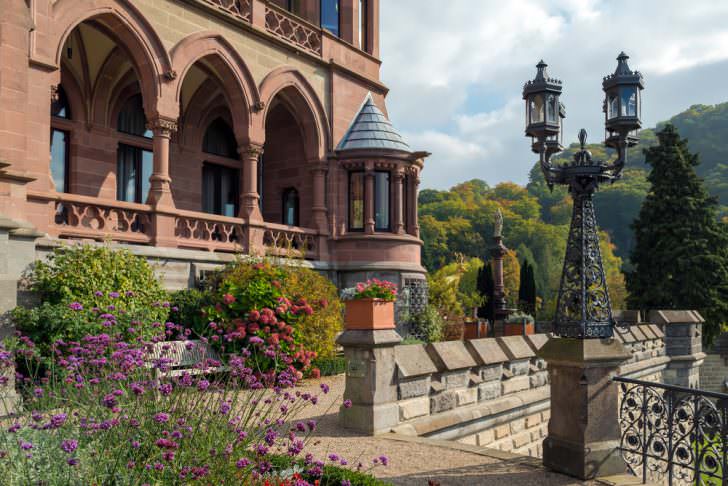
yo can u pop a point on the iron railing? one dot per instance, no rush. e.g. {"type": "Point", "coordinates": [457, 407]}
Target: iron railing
{"type": "Point", "coordinates": [673, 435]}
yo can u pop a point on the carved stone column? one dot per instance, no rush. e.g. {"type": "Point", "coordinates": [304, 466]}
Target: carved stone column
{"type": "Point", "coordinates": [414, 229]}
{"type": "Point", "coordinates": [318, 207]}
{"type": "Point", "coordinates": [249, 191]}
{"type": "Point", "coordinates": [160, 191]}
{"type": "Point", "coordinates": [369, 222]}
{"type": "Point", "coordinates": [398, 226]}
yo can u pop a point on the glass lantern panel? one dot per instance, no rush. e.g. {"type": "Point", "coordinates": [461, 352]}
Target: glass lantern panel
{"type": "Point", "coordinates": [537, 109]}
{"type": "Point", "coordinates": [612, 106]}
{"type": "Point", "coordinates": [628, 103]}
{"type": "Point", "coordinates": [551, 109]}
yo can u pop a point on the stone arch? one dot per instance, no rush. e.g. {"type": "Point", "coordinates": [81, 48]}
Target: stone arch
{"type": "Point", "coordinates": [74, 94]}
{"type": "Point", "coordinates": [236, 80]}
{"type": "Point", "coordinates": [209, 109]}
{"type": "Point", "coordinates": [130, 30]}
{"type": "Point", "coordinates": [292, 87]}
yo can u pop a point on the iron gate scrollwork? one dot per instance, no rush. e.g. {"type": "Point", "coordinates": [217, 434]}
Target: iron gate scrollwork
{"type": "Point", "coordinates": [672, 434]}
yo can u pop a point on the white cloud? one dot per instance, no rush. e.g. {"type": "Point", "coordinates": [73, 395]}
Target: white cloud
{"type": "Point", "coordinates": [456, 70]}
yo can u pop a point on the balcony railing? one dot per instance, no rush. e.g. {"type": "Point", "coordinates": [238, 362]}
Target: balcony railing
{"type": "Point", "coordinates": [74, 216]}
{"type": "Point", "coordinates": [236, 8]}
{"type": "Point", "coordinates": [210, 232]}
{"type": "Point", "coordinates": [673, 435]}
{"type": "Point", "coordinates": [292, 29]}
{"type": "Point", "coordinates": [288, 241]}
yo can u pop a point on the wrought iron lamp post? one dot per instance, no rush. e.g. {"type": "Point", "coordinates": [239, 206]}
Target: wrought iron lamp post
{"type": "Point", "coordinates": [583, 433]}
{"type": "Point", "coordinates": [583, 309]}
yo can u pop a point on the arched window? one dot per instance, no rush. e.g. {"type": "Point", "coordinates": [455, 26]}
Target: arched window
{"type": "Point", "coordinates": [131, 118]}
{"type": "Point", "coordinates": [60, 140]}
{"type": "Point", "coordinates": [290, 207]}
{"type": "Point", "coordinates": [220, 140]}
{"type": "Point", "coordinates": [134, 158]}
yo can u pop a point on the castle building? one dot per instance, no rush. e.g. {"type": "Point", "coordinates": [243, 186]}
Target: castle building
{"type": "Point", "coordinates": [194, 130]}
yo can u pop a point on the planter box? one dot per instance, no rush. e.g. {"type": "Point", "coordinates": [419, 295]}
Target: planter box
{"type": "Point", "coordinates": [477, 329]}
{"type": "Point", "coordinates": [369, 314]}
{"type": "Point", "coordinates": [522, 328]}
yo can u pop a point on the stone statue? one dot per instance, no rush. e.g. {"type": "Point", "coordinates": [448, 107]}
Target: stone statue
{"type": "Point", "coordinates": [498, 231]}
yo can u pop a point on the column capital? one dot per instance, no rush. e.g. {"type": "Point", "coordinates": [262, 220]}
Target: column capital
{"type": "Point", "coordinates": [251, 150]}
{"type": "Point", "coordinates": [162, 126]}
{"type": "Point", "coordinates": [318, 167]}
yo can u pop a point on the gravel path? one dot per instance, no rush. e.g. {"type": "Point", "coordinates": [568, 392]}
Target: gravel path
{"type": "Point", "coordinates": [414, 462]}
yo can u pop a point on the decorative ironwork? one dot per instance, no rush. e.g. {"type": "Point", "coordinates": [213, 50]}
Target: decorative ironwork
{"type": "Point", "coordinates": [672, 434]}
{"type": "Point", "coordinates": [583, 309]}
{"type": "Point", "coordinates": [295, 31]}
{"type": "Point", "coordinates": [237, 8]}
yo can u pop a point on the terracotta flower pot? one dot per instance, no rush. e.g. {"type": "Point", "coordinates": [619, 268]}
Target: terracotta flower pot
{"type": "Point", "coordinates": [369, 314]}
{"type": "Point", "coordinates": [522, 328]}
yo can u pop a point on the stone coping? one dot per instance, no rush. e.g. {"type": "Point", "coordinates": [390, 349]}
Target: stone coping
{"type": "Point", "coordinates": [487, 351]}
{"type": "Point", "coordinates": [515, 347]}
{"type": "Point", "coordinates": [451, 355]}
{"type": "Point", "coordinates": [639, 333]}
{"type": "Point", "coordinates": [413, 360]}
{"type": "Point", "coordinates": [663, 317]}
{"type": "Point", "coordinates": [459, 416]}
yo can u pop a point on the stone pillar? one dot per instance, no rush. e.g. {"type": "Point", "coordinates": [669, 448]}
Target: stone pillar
{"type": "Point", "coordinates": [249, 195]}
{"type": "Point", "coordinates": [499, 293]}
{"type": "Point", "coordinates": [257, 14]}
{"type": "Point", "coordinates": [583, 432]}
{"type": "Point", "coordinates": [370, 380]}
{"type": "Point", "coordinates": [413, 217]}
{"type": "Point", "coordinates": [160, 191]}
{"type": "Point", "coordinates": [369, 223]}
{"type": "Point", "coordinates": [318, 207]}
{"type": "Point", "coordinates": [349, 21]}
{"type": "Point", "coordinates": [683, 345]}
{"type": "Point", "coordinates": [398, 226]}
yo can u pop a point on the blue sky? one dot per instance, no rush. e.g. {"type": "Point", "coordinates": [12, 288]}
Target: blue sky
{"type": "Point", "coordinates": [455, 70]}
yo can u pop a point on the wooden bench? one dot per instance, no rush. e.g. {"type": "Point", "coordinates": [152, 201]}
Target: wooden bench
{"type": "Point", "coordinates": [184, 357]}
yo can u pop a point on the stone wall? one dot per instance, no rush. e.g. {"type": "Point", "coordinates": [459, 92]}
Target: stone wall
{"type": "Point", "coordinates": [494, 392]}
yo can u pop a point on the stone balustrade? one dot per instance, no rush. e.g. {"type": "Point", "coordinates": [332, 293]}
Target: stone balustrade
{"type": "Point", "coordinates": [489, 392]}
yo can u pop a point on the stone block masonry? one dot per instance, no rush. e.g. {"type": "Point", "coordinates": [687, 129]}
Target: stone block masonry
{"type": "Point", "coordinates": [492, 392]}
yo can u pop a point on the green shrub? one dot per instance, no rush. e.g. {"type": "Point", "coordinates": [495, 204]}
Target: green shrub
{"type": "Point", "coordinates": [332, 475]}
{"type": "Point", "coordinates": [428, 324]}
{"type": "Point", "coordinates": [330, 366]}
{"type": "Point", "coordinates": [187, 306]}
{"type": "Point", "coordinates": [98, 279]}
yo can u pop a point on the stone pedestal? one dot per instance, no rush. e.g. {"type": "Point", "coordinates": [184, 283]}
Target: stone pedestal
{"type": "Point", "coordinates": [683, 344]}
{"type": "Point", "coordinates": [583, 433]}
{"type": "Point", "coordinates": [370, 380]}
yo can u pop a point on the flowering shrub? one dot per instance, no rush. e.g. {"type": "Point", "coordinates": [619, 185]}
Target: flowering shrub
{"type": "Point", "coordinates": [100, 415]}
{"type": "Point", "coordinates": [94, 277]}
{"type": "Point", "coordinates": [375, 289]}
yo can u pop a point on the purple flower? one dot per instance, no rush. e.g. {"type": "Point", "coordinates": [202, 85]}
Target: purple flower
{"type": "Point", "coordinates": [135, 444]}
{"type": "Point", "coordinates": [114, 295]}
{"type": "Point", "coordinates": [347, 403]}
{"type": "Point", "coordinates": [165, 389]}
{"type": "Point", "coordinates": [242, 463]}
{"type": "Point", "coordinates": [324, 387]}
{"type": "Point", "coordinates": [26, 446]}
{"type": "Point", "coordinates": [99, 293]}
{"type": "Point", "coordinates": [69, 445]}
{"type": "Point", "coordinates": [76, 306]}
{"type": "Point", "coordinates": [225, 407]}
{"type": "Point", "coordinates": [203, 385]}
{"type": "Point", "coordinates": [345, 482]}
{"type": "Point", "coordinates": [72, 461]}
{"type": "Point", "coordinates": [109, 401]}
{"type": "Point", "coordinates": [384, 460]}
{"type": "Point", "coordinates": [161, 417]}
{"type": "Point", "coordinates": [57, 420]}
{"type": "Point", "coordinates": [334, 458]}
{"type": "Point", "coordinates": [255, 340]}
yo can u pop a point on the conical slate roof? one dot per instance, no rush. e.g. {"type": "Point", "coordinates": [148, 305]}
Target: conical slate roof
{"type": "Point", "coordinates": [371, 130]}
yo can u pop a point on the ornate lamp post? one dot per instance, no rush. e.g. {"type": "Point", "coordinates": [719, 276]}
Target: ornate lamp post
{"type": "Point", "coordinates": [583, 436]}
{"type": "Point", "coordinates": [583, 309]}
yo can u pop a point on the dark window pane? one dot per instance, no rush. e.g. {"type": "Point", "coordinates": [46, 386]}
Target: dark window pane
{"type": "Point", "coordinates": [330, 16]}
{"type": "Point", "coordinates": [290, 207]}
{"type": "Point", "coordinates": [220, 190]}
{"type": "Point", "coordinates": [59, 159]}
{"type": "Point", "coordinates": [220, 140]}
{"type": "Point", "coordinates": [381, 201]}
{"type": "Point", "coordinates": [126, 174]}
{"type": "Point", "coordinates": [131, 118]}
{"type": "Point", "coordinates": [147, 166]}
{"type": "Point", "coordinates": [406, 201]}
{"type": "Point", "coordinates": [356, 200]}
{"type": "Point", "coordinates": [60, 107]}
{"type": "Point", "coordinates": [363, 25]}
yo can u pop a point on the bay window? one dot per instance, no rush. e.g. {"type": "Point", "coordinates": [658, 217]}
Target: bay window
{"type": "Point", "coordinates": [356, 201]}
{"type": "Point", "coordinates": [382, 201]}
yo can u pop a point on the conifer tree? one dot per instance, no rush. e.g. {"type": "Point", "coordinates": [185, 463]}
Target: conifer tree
{"type": "Point", "coordinates": [486, 286]}
{"type": "Point", "coordinates": [527, 289]}
{"type": "Point", "coordinates": [680, 255]}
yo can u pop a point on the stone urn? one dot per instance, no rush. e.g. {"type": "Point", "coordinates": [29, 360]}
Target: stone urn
{"type": "Point", "coordinates": [369, 314]}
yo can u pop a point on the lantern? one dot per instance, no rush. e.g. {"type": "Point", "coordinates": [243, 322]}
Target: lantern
{"type": "Point", "coordinates": [544, 112]}
{"type": "Point", "coordinates": [622, 103]}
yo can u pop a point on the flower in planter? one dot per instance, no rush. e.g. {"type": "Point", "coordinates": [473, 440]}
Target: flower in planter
{"type": "Point", "coordinates": [373, 289]}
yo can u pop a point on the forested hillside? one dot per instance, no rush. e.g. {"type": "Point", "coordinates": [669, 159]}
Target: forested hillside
{"type": "Point", "coordinates": [459, 221]}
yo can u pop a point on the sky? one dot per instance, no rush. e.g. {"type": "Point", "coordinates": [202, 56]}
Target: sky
{"type": "Point", "coordinates": [456, 69]}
